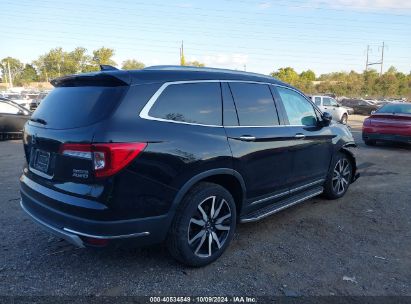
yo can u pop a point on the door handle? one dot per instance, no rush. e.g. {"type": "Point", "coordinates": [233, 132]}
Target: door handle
{"type": "Point", "coordinates": [247, 138]}
{"type": "Point", "coordinates": [299, 136]}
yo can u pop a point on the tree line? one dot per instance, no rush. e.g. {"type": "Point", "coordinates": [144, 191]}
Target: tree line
{"type": "Point", "coordinates": [58, 62]}
{"type": "Point", "coordinates": [370, 84]}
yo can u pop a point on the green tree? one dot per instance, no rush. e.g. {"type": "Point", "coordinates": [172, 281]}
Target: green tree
{"type": "Point", "coordinates": [308, 75]}
{"type": "Point", "coordinates": [53, 64]}
{"type": "Point", "coordinates": [103, 56]}
{"type": "Point", "coordinates": [132, 64]}
{"type": "Point", "coordinates": [16, 68]}
{"type": "Point", "coordinates": [369, 80]}
{"type": "Point", "coordinates": [29, 74]}
{"type": "Point", "coordinates": [78, 61]}
{"type": "Point", "coordinates": [288, 75]}
{"type": "Point", "coordinates": [387, 85]}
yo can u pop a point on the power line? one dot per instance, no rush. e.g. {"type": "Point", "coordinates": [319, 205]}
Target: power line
{"type": "Point", "coordinates": [123, 9]}
{"type": "Point", "coordinates": [155, 29]}
{"type": "Point", "coordinates": [345, 6]}
{"type": "Point", "coordinates": [253, 56]}
{"type": "Point", "coordinates": [125, 41]}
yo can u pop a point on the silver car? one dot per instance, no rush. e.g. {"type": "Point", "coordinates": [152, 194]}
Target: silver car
{"type": "Point", "coordinates": [330, 105]}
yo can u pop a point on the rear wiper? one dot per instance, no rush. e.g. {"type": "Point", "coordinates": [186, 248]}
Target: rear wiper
{"type": "Point", "coordinates": [39, 120]}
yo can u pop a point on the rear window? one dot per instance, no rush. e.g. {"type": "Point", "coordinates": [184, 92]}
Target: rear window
{"type": "Point", "coordinates": [72, 107]}
{"type": "Point", "coordinates": [396, 108]}
{"type": "Point", "coordinates": [255, 104]}
{"type": "Point", "coordinates": [198, 103]}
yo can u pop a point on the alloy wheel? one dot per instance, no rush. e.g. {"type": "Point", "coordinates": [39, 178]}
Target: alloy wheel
{"type": "Point", "coordinates": [209, 226]}
{"type": "Point", "coordinates": [341, 176]}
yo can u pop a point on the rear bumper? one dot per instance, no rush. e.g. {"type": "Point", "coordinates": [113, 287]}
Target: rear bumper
{"type": "Point", "coordinates": [79, 231]}
{"type": "Point", "coordinates": [386, 137]}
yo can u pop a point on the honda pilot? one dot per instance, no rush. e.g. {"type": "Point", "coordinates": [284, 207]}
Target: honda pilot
{"type": "Point", "coordinates": [177, 155]}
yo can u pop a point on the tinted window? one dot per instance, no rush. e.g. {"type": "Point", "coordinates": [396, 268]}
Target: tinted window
{"type": "Point", "coordinates": [318, 101]}
{"type": "Point", "coordinates": [70, 107]}
{"type": "Point", "coordinates": [229, 112]}
{"type": "Point", "coordinates": [8, 108]}
{"type": "Point", "coordinates": [254, 103]}
{"type": "Point", "coordinates": [298, 109]}
{"type": "Point", "coordinates": [396, 108]}
{"type": "Point", "coordinates": [191, 102]}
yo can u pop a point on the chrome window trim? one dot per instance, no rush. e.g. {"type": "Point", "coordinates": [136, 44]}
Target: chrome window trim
{"type": "Point", "coordinates": [144, 113]}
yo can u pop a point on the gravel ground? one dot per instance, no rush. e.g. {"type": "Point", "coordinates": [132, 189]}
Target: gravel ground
{"type": "Point", "coordinates": [357, 245]}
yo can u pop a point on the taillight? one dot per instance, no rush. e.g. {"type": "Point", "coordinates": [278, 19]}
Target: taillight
{"type": "Point", "coordinates": [108, 159]}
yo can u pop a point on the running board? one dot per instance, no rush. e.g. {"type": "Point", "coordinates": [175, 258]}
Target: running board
{"type": "Point", "coordinates": [277, 207]}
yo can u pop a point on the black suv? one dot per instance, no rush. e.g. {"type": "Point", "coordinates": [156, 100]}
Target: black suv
{"type": "Point", "coordinates": [178, 155]}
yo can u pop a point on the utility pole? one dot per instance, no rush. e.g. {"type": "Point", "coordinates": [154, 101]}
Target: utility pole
{"type": "Point", "coordinates": [366, 63]}
{"type": "Point", "coordinates": [381, 62]}
{"type": "Point", "coordinates": [182, 59]}
{"type": "Point", "coordinates": [10, 80]}
{"type": "Point", "coordinates": [382, 57]}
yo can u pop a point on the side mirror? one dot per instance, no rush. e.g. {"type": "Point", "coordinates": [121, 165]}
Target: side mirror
{"type": "Point", "coordinates": [20, 112]}
{"type": "Point", "coordinates": [326, 119]}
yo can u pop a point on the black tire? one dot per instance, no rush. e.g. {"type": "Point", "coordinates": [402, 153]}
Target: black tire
{"type": "Point", "coordinates": [344, 119]}
{"type": "Point", "coordinates": [339, 177]}
{"type": "Point", "coordinates": [369, 142]}
{"type": "Point", "coordinates": [191, 228]}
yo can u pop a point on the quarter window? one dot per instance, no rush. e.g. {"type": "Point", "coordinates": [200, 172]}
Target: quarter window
{"type": "Point", "coordinates": [190, 102]}
{"type": "Point", "coordinates": [299, 110]}
{"type": "Point", "coordinates": [254, 103]}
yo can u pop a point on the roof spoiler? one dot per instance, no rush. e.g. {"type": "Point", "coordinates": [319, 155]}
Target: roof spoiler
{"type": "Point", "coordinates": [106, 67]}
{"type": "Point", "coordinates": [93, 79]}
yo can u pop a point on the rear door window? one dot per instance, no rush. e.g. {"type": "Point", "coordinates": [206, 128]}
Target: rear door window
{"type": "Point", "coordinates": [198, 103]}
{"type": "Point", "coordinates": [72, 107]}
{"type": "Point", "coordinates": [318, 101]}
{"type": "Point", "coordinates": [254, 103]}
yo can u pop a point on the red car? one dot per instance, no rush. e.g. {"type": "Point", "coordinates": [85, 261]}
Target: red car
{"type": "Point", "coordinates": [392, 122]}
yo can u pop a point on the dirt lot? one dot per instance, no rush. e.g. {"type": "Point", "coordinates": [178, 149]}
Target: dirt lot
{"type": "Point", "coordinates": [357, 245]}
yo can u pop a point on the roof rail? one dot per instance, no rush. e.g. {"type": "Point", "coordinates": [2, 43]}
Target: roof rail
{"type": "Point", "coordinates": [202, 69]}
{"type": "Point", "coordinates": [106, 67]}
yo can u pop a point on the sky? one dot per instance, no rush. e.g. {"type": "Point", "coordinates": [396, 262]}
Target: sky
{"type": "Point", "coordinates": [258, 36]}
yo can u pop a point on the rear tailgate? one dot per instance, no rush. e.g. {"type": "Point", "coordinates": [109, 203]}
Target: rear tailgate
{"type": "Point", "coordinates": [70, 114]}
